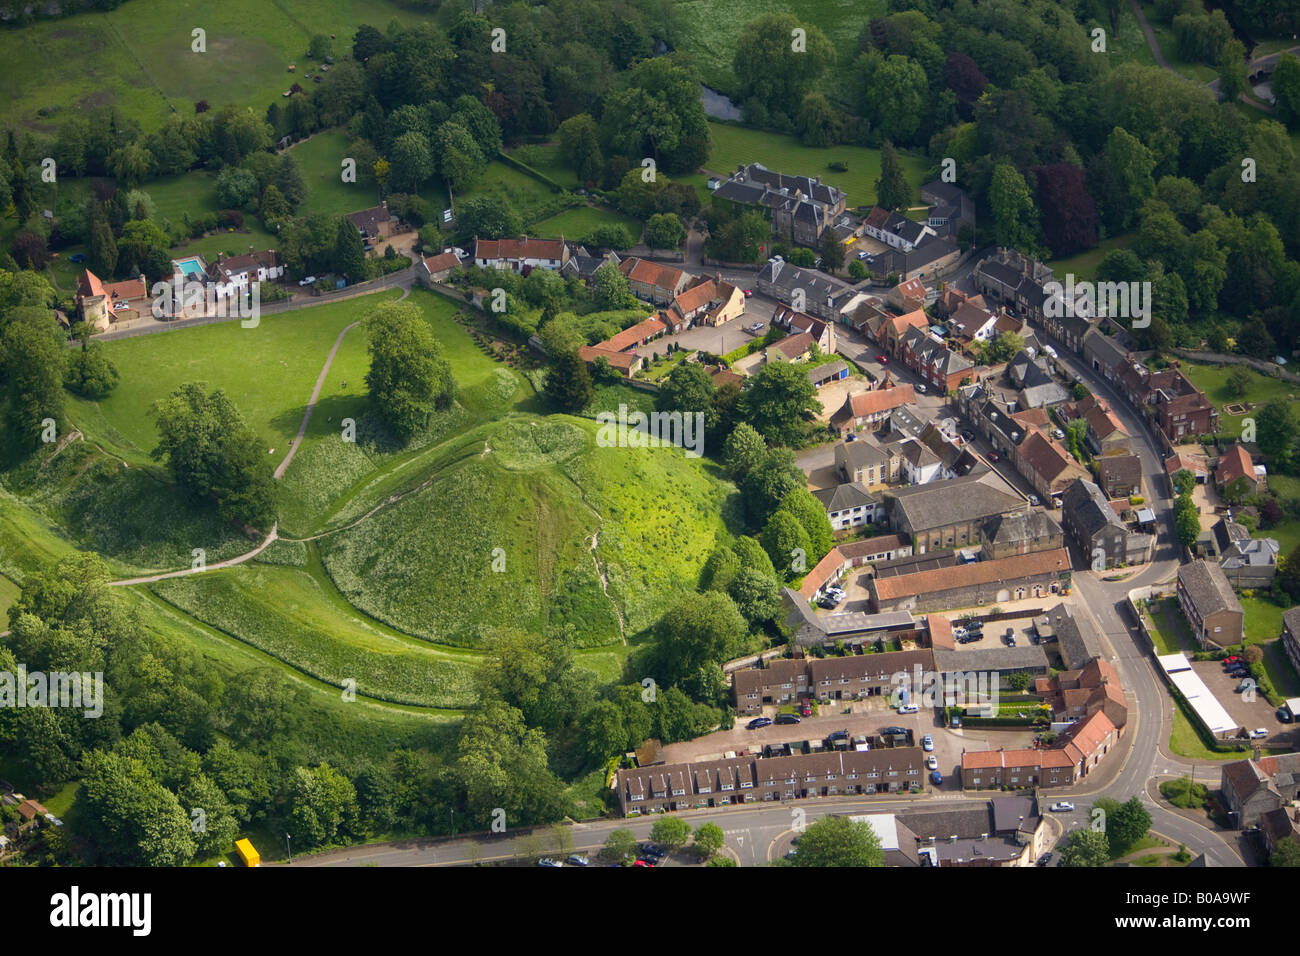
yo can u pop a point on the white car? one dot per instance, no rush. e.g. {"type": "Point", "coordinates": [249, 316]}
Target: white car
{"type": "Point", "coordinates": [909, 709]}
{"type": "Point", "coordinates": [1257, 733]}
{"type": "Point", "coordinates": [307, 281]}
{"type": "Point", "coordinates": [932, 762]}
{"type": "Point", "coordinates": [927, 743]}
{"type": "Point", "coordinates": [1034, 500]}
{"type": "Point", "coordinates": [1062, 807]}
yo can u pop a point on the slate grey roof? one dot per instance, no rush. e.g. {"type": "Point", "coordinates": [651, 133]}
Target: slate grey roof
{"type": "Point", "coordinates": [850, 494]}
{"type": "Point", "coordinates": [1076, 645]}
{"type": "Point", "coordinates": [1021, 527]}
{"type": "Point", "coordinates": [1251, 553]}
{"type": "Point", "coordinates": [1029, 657]}
{"type": "Point", "coordinates": [957, 500]}
{"type": "Point", "coordinates": [861, 453]}
{"type": "Point", "coordinates": [1291, 621]}
{"type": "Point", "coordinates": [1207, 588]}
{"type": "Point", "coordinates": [1088, 508]}
{"type": "Point", "coordinates": [1015, 814]}
{"type": "Point", "coordinates": [1107, 350]}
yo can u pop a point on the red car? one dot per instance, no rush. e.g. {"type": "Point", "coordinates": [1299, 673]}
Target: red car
{"type": "Point", "coordinates": [643, 863]}
{"type": "Point", "coordinates": [749, 293]}
{"type": "Point", "coordinates": [1231, 660]}
{"type": "Point", "coordinates": [805, 710]}
{"type": "Point", "coordinates": [882, 359]}
{"type": "Point", "coordinates": [993, 456]}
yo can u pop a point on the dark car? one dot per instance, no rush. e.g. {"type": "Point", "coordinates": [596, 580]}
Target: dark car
{"type": "Point", "coordinates": [936, 778]}
{"type": "Point", "coordinates": [759, 722]}
{"type": "Point", "coordinates": [77, 257]}
{"type": "Point", "coordinates": [653, 851]}
{"type": "Point", "coordinates": [1284, 715]}
{"type": "Point", "coordinates": [838, 735]}
{"type": "Point", "coordinates": [893, 732]}
{"type": "Point", "coordinates": [955, 722]}
{"type": "Point", "coordinates": [787, 719]}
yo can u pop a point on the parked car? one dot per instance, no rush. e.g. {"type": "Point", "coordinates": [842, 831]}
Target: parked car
{"type": "Point", "coordinates": [920, 387]}
{"type": "Point", "coordinates": [1284, 715]}
{"type": "Point", "coordinates": [547, 861]}
{"type": "Point", "coordinates": [932, 762]}
{"type": "Point", "coordinates": [749, 293]}
{"type": "Point", "coordinates": [955, 722]}
{"type": "Point", "coordinates": [838, 735]}
{"type": "Point", "coordinates": [1045, 859]}
{"type": "Point", "coordinates": [787, 719]}
{"type": "Point", "coordinates": [805, 709]}
{"type": "Point", "coordinates": [1010, 637]}
{"type": "Point", "coordinates": [828, 601]}
{"type": "Point", "coordinates": [927, 743]}
{"type": "Point", "coordinates": [958, 633]}
{"type": "Point", "coordinates": [1258, 732]}
{"type": "Point", "coordinates": [643, 862]}
{"type": "Point", "coordinates": [755, 328]}
{"type": "Point", "coordinates": [77, 257]}
{"type": "Point", "coordinates": [882, 358]}
{"type": "Point", "coordinates": [653, 850]}
{"type": "Point", "coordinates": [936, 778]}
{"type": "Point", "coordinates": [993, 456]}
{"type": "Point", "coordinates": [307, 281]}
{"type": "Point", "coordinates": [909, 709]}
{"type": "Point", "coordinates": [1231, 660]}
{"type": "Point", "coordinates": [1035, 500]}
{"type": "Point", "coordinates": [759, 722]}
{"type": "Point", "coordinates": [1057, 434]}
{"type": "Point", "coordinates": [1243, 686]}
{"type": "Point", "coordinates": [123, 304]}
{"type": "Point", "coordinates": [1064, 806]}
{"type": "Point", "coordinates": [577, 859]}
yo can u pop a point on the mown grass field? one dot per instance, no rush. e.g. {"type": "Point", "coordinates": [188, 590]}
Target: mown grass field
{"type": "Point", "coordinates": [139, 58]}
{"type": "Point", "coordinates": [296, 617]}
{"type": "Point", "coordinates": [267, 371]}
{"type": "Point", "coordinates": [1084, 265]}
{"type": "Point", "coordinates": [576, 223]}
{"type": "Point", "coordinates": [1213, 381]}
{"type": "Point", "coordinates": [547, 159]}
{"type": "Point", "coordinates": [734, 145]}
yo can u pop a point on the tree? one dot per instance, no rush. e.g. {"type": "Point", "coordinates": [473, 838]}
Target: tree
{"type": "Point", "coordinates": [709, 839]}
{"type": "Point", "coordinates": [322, 805]}
{"type": "Point", "coordinates": [832, 251]}
{"type": "Point", "coordinates": [658, 115]}
{"type": "Point", "coordinates": [1003, 348]}
{"type": "Point", "coordinates": [102, 255]}
{"type": "Point", "coordinates": [893, 93]}
{"type": "Point", "coordinates": [688, 389]}
{"type": "Point", "coordinates": [1276, 428]}
{"type": "Point", "coordinates": [743, 451]}
{"type": "Point", "coordinates": [1187, 522]}
{"type": "Point", "coordinates": [773, 68]}
{"type": "Point", "coordinates": [487, 217]}
{"type": "Point", "coordinates": [132, 819]}
{"type": "Point", "coordinates": [1254, 340]}
{"type": "Point", "coordinates": [670, 832]}
{"type": "Point", "coordinates": [1085, 848]}
{"type": "Point", "coordinates": [1013, 209]}
{"type": "Point", "coordinates": [769, 482]}
{"type": "Point", "coordinates": [1286, 89]}
{"type": "Point", "coordinates": [786, 543]}
{"type": "Point", "coordinates": [349, 258]}
{"type": "Point", "coordinates": [892, 188]}
{"type": "Point", "coordinates": [236, 187]}
{"type": "Point", "coordinates": [835, 841]}
{"type": "Point", "coordinates": [409, 379]}
{"type": "Point", "coordinates": [1129, 164]}
{"type": "Point", "coordinates": [664, 231]}
{"type": "Point", "coordinates": [1239, 382]}
{"type": "Point", "coordinates": [1069, 212]}
{"type": "Point", "coordinates": [811, 515]}
{"type": "Point", "coordinates": [130, 164]}
{"type": "Point", "coordinates": [580, 146]}
{"type": "Point", "coordinates": [34, 363]}
{"type": "Point", "coordinates": [220, 825]}
{"type": "Point", "coordinates": [503, 764]}
{"type": "Point", "coordinates": [1285, 853]}
{"type": "Point", "coordinates": [816, 123]}
{"type": "Point", "coordinates": [697, 634]}
{"type": "Point", "coordinates": [411, 162]}
{"type": "Point", "coordinates": [460, 158]}
{"type": "Point", "coordinates": [1128, 824]}
{"type": "Point", "coordinates": [288, 180]}
{"type": "Point", "coordinates": [1184, 481]}
{"type": "Point", "coordinates": [757, 594]}
{"type": "Point", "coordinates": [320, 47]}
{"type": "Point", "coordinates": [777, 400]}
{"type": "Point", "coordinates": [90, 374]}
{"type": "Point", "coordinates": [620, 846]}
{"type": "Point", "coordinates": [1232, 70]}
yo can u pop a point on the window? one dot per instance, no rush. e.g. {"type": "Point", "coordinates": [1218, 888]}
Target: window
{"type": "Point", "coordinates": [676, 793]}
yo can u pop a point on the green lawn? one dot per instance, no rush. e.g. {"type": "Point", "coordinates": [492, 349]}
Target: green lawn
{"type": "Point", "coordinates": [321, 159]}
{"type": "Point", "coordinates": [734, 145]}
{"type": "Point", "coordinates": [1084, 265]}
{"type": "Point", "coordinates": [1213, 381]}
{"type": "Point", "coordinates": [1169, 629]}
{"type": "Point", "coordinates": [533, 199]}
{"type": "Point", "coordinates": [139, 58]}
{"type": "Point", "coordinates": [547, 159]}
{"type": "Point", "coordinates": [576, 223]}
{"type": "Point", "coordinates": [1186, 742]}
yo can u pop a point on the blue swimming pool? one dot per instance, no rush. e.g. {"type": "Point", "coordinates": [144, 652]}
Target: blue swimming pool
{"type": "Point", "coordinates": [190, 267]}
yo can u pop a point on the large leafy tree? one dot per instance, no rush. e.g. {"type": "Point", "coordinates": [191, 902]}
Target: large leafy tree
{"type": "Point", "coordinates": [658, 114]}
{"type": "Point", "coordinates": [568, 383]}
{"type": "Point", "coordinates": [34, 363]}
{"type": "Point", "coordinates": [777, 65]}
{"type": "Point", "coordinates": [688, 389]}
{"type": "Point", "coordinates": [136, 820]}
{"type": "Point", "coordinates": [409, 379]}
{"type": "Point", "coordinates": [580, 146]}
{"type": "Point", "coordinates": [349, 258]}
{"type": "Point", "coordinates": [411, 161]}
{"type": "Point", "coordinates": [838, 841]}
{"type": "Point", "coordinates": [778, 400]}
{"type": "Point", "coordinates": [1086, 848]}
{"type": "Point", "coordinates": [892, 189]}
{"type": "Point", "coordinates": [767, 484]}
{"type": "Point", "coordinates": [1014, 219]}
{"type": "Point", "coordinates": [697, 633]}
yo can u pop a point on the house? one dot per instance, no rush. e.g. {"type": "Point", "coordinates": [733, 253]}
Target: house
{"type": "Point", "coordinates": [891, 332]}
{"type": "Point", "coordinates": [1105, 434]}
{"type": "Point", "coordinates": [823, 333]}
{"type": "Point", "coordinates": [1014, 280]}
{"type": "Point", "coordinates": [1179, 407]}
{"type": "Point", "coordinates": [950, 514]}
{"type": "Point", "coordinates": [918, 463]}
{"type": "Point", "coordinates": [835, 371]}
{"type": "Point", "coordinates": [800, 208]}
{"type": "Point", "coordinates": [1035, 383]}
{"type": "Point", "coordinates": [972, 583]}
{"type": "Point", "coordinates": [636, 336]}
{"type": "Point", "coordinates": [1046, 465]}
{"type": "Point", "coordinates": [1119, 475]}
{"type": "Point", "coordinates": [848, 505]}
{"type": "Point", "coordinates": [1250, 563]}
{"type": "Point", "coordinates": [627, 363]}
{"type": "Point", "coordinates": [874, 550]}
{"type": "Point", "coordinates": [374, 223]}
{"type": "Point", "coordinates": [1235, 465]}
{"type": "Point", "coordinates": [653, 281]}
{"type": "Point", "coordinates": [895, 230]}
{"type": "Point", "coordinates": [521, 255]}
{"type": "Point", "coordinates": [1196, 465]}
{"type": "Point", "coordinates": [1254, 787]}
{"type": "Point", "coordinates": [1078, 693]}
{"type": "Point", "coordinates": [433, 269]}
{"type": "Point", "coordinates": [995, 769]}
{"type": "Point", "coordinates": [951, 209]}
{"type": "Point", "coordinates": [1276, 825]}
{"type": "Point", "coordinates": [870, 408]}
{"type": "Point", "coordinates": [1023, 532]}
{"type": "Point", "coordinates": [907, 296]}
{"type": "Point", "coordinates": [943, 368]}
{"type": "Point", "coordinates": [792, 348]}
{"type": "Point", "coordinates": [799, 287]}
{"type": "Point", "coordinates": [1004, 832]}
{"type": "Point", "coordinates": [98, 302]}
{"type": "Point", "coordinates": [1209, 604]}
{"type": "Point", "coordinates": [708, 302]}
{"type": "Point", "coordinates": [231, 276]}
{"type": "Point", "coordinates": [858, 310]}
{"type": "Point", "coordinates": [970, 323]}
{"type": "Point", "coordinates": [1291, 636]}
{"type": "Point", "coordinates": [1096, 529]}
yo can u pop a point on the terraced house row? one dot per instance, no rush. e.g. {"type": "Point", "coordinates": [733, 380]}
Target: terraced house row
{"type": "Point", "coordinates": [718, 783]}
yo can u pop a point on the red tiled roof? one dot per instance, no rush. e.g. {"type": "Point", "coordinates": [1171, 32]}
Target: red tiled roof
{"type": "Point", "coordinates": [441, 262]}
{"type": "Point", "coordinates": [862, 404]}
{"type": "Point", "coordinates": [652, 273]}
{"type": "Point", "coordinates": [940, 631]}
{"type": "Point", "coordinates": [821, 573]}
{"type": "Point", "coordinates": [632, 337]}
{"type": "Point", "coordinates": [522, 248]}
{"type": "Point", "coordinates": [619, 360]}
{"type": "Point", "coordinates": [968, 575]}
{"type": "Point", "coordinates": [1234, 464]}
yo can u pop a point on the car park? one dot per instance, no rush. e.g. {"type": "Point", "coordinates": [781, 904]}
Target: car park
{"type": "Point", "coordinates": [787, 719]}
{"type": "Point", "coordinates": [1064, 806]}
{"type": "Point", "coordinates": [1258, 732]}
{"type": "Point", "coordinates": [759, 722]}
{"type": "Point", "coordinates": [927, 743]}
